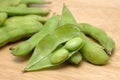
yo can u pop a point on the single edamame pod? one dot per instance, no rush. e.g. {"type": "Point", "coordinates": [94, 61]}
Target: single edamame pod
{"type": "Point", "coordinates": [43, 51]}
{"type": "Point", "coordinates": [26, 47]}
{"type": "Point", "coordinates": [99, 35]}
{"type": "Point", "coordinates": [59, 56]}
{"type": "Point", "coordinates": [76, 58]}
{"type": "Point", "coordinates": [16, 28]}
{"type": "Point", "coordinates": [73, 44]}
{"type": "Point", "coordinates": [13, 11]}
{"type": "Point", "coordinates": [3, 17]}
{"type": "Point", "coordinates": [65, 19]}
{"type": "Point", "coordinates": [26, 20]}
{"type": "Point", "coordinates": [92, 52]}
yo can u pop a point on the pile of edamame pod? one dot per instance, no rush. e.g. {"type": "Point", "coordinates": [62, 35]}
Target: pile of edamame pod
{"type": "Point", "coordinates": [60, 39]}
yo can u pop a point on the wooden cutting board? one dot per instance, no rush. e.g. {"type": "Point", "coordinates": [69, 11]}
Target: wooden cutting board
{"type": "Point", "coordinates": [104, 14]}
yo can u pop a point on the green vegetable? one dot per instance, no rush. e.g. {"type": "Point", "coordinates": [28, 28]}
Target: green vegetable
{"type": "Point", "coordinates": [98, 34]}
{"type": "Point", "coordinates": [13, 11]}
{"type": "Point", "coordinates": [26, 47]}
{"type": "Point", "coordinates": [3, 17]}
{"type": "Point", "coordinates": [25, 20]}
{"type": "Point", "coordinates": [92, 52]}
{"type": "Point", "coordinates": [73, 44]}
{"type": "Point", "coordinates": [18, 27]}
{"type": "Point", "coordinates": [75, 58]}
{"type": "Point", "coordinates": [59, 56]}
{"type": "Point", "coordinates": [67, 18]}
{"type": "Point", "coordinates": [43, 51]}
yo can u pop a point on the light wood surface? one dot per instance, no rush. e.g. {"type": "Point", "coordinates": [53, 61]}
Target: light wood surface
{"type": "Point", "coordinates": [104, 14]}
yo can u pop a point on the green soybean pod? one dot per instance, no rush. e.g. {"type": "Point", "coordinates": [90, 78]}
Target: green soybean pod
{"type": "Point", "coordinates": [75, 58]}
{"type": "Point", "coordinates": [16, 28]}
{"type": "Point", "coordinates": [99, 35]}
{"type": "Point", "coordinates": [92, 52]}
{"type": "Point", "coordinates": [27, 46]}
{"type": "Point", "coordinates": [67, 18]}
{"type": "Point", "coordinates": [73, 44]}
{"type": "Point", "coordinates": [17, 33]}
{"type": "Point", "coordinates": [59, 56]}
{"type": "Point", "coordinates": [15, 11]}
{"type": "Point", "coordinates": [45, 48]}
{"type": "Point", "coordinates": [26, 20]}
{"type": "Point", "coordinates": [3, 17]}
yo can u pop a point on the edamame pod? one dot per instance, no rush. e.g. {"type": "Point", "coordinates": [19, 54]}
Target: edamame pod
{"type": "Point", "coordinates": [26, 20]}
{"type": "Point", "coordinates": [59, 56]}
{"type": "Point", "coordinates": [98, 34]}
{"type": "Point", "coordinates": [67, 18]}
{"type": "Point", "coordinates": [13, 11]}
{"type": "Point", "coordinates": [27, 46]}
{"type": "Point", "coordinates": [43, 51]}
{"type": "Point", "coordinates": [3, 17]}
{"type": "Point", "coordinates": [73, 44]}
{"type": "Point", "coordinates": [18, 27]}
{"type": "Point", "coordinates": [92, 52]}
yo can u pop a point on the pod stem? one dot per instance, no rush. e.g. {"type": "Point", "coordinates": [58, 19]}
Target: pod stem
{"type": "Point", "coordinates": [24, 71]}
{"type": "Point", "coordinates": [11, 48]}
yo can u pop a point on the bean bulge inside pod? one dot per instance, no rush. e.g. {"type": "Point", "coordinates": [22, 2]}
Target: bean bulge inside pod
{"type": "Point", "coordinates": [59, 56]}
{"type": "Point", "coordinates": [73, 44]}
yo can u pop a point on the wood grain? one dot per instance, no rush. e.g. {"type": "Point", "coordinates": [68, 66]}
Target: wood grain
{"type": "Point", "coordinates": [104, 14]}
